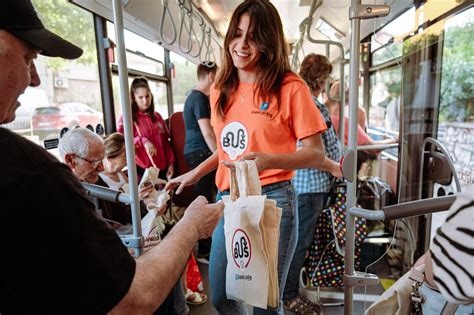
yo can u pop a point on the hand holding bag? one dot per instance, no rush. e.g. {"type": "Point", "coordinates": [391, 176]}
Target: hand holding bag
{"type": "Point", "coordinates": [252, 224]}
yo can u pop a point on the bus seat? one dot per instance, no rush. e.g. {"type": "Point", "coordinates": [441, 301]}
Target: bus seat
{"type": "Point", "coordinates": [178, 138]}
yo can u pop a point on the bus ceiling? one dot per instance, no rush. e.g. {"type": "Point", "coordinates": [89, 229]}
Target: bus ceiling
{"type": "Point", "coordinates": [195, 29]}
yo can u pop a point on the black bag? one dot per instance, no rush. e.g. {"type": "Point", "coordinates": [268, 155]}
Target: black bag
{"type": "Point", "coordinates": [374, 193]}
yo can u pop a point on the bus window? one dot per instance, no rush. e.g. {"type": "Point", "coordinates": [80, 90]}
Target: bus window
{"type": "Point", "coordinates": [158, 89]}
{"type": "Point", "coordinates": [69, 94]}
{"type": "Point", "coordinates": [391, 36]}
{"type": "Point", "coordinates": [384, 111]}
{"type": "Point", "coordinates": [437, 71]}
{"type": "Point", "coordinates": [144, 58]}
{"type": "Point", "coordinates": [159, 96]}
{"type": "Point", "coordinates": [456, 112]}
{"type": "Point", "coordinates": [184, 79]}
{"type": "Point", "coordinates": [142, 54]}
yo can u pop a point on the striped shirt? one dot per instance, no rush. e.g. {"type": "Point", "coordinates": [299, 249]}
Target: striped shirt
{"type": "Point", "coordinates": [452, 251]}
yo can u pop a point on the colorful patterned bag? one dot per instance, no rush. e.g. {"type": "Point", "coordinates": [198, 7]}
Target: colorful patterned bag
{"type": "Point", "coordinates": [324, 265]}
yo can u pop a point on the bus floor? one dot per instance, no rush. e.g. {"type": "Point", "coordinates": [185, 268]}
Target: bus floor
{"type": "Point", "coordinates": [327, 295]}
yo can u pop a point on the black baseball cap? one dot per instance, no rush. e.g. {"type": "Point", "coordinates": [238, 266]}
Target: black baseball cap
{"type": "Point", "coordinates": [19, 17]}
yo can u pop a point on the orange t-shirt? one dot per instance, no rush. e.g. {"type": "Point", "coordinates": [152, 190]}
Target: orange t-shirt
{"type": "Point", "coordinates": [253, 125]}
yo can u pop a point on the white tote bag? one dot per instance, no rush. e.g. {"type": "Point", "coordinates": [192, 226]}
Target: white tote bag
{"type": "Point", "coordinates": [251, 235]}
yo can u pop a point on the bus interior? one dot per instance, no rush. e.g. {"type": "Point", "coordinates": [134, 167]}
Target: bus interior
{"type": "Point", "coordinates": [408, 64]}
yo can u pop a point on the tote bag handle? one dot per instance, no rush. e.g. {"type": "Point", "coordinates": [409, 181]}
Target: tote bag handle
{"type": "Point", "coordinates": [244, 180]}
{"type": "Point", "coordinates": [147, 153]}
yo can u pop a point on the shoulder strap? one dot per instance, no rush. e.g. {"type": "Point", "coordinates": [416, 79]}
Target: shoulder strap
{"type": "Point", "coordinates": [147, 153]}
{"type": "Point", "coordinates": [138, 129]}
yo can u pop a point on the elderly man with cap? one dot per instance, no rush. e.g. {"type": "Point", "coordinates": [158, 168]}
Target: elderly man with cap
{"type": "Point", "coordinates": [58, 255]}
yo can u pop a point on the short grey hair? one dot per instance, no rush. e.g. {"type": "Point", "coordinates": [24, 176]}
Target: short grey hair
{"type": "Point", "coordinates": [77, 141]}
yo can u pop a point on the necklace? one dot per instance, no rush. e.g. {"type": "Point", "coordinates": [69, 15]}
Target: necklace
{"type": "Point", "coordinates": [242, 97]}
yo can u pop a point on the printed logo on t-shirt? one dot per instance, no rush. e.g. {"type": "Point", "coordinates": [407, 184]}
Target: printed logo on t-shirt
{"type": "Point", "coordinates": [264, 106]}
{"type": "Point", "coordinates": [241, 249]}
{"type": "Point", "coordinates": [265, 111]}
{"type": "Point", "coordinates": [234, 139]}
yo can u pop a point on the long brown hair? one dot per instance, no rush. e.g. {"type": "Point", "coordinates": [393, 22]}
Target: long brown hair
{"type": "Point", "coordinates": [273, 64]}
{"type": "Point", "coordinates": [137, 83]}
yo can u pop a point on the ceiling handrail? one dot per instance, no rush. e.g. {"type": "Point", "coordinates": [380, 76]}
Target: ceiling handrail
{"type": "Point", "coordinates": [185, 12]}
{"type": "Point", "coordinates": [162, 23]}
{"type": "Point", "coordinates": [200, 42]}
{"type": "Point", "coordinates": [207, 58]}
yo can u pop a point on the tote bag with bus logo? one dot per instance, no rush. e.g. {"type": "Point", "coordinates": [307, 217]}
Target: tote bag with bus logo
{"type": "Point", "coordinates": [252, 230]}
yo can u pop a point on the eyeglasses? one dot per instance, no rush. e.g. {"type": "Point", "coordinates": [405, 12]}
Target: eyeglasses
{"type": "Point", "coordinates": [95, 163]}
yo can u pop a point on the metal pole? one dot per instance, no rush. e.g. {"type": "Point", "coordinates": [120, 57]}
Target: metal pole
{"type": "Point", "coordinates": [127, 121]}
{"type": "Point", "coordinates": [352, 146]}
{"type": "Point", "coordinates": [342, 101]}
{"type": "Point", "coordinates": [169, 85]}
{"type": "Point", "coordinates": [104, 74]}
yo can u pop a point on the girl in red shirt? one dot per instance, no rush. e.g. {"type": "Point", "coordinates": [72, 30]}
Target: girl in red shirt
{"type": "Point", "coordinates": [151, 136]}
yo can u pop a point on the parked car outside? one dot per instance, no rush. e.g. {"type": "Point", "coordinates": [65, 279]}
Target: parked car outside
{"type": "Point", "coordinates": [49, 120]}
{"type": "Point", "coordinates": [32, 97]}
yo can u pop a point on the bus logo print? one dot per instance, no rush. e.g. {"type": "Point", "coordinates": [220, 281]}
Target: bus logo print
{"type": "Point", "coordinates": [264, 105]}
{"type": "Point", "coordinates": [241, 249]}
{"type": "Point", "coordinates": [234, 139]}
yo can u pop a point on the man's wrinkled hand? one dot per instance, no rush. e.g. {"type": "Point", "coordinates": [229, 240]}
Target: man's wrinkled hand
{"type": "Point", "coordinates": [204, 216]}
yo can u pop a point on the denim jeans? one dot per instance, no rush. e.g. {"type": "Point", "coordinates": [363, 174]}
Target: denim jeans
{"type": "Point", "coordinates": [435, 302]}
{"type": "Point", "coordinates": [283, 193]}
{"type": "Point", "coordinates": [310, 206]}
{"type": "Point", "coordinates": [180, 306]}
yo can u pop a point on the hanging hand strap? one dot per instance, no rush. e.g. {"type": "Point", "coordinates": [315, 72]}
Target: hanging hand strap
{"type": "Point", "coordinates": [147, 153]}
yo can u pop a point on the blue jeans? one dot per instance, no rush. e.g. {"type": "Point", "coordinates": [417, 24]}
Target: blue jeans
{"type": "Point", "coordinates": [310, 206]}
{"type": "Point", "coordinates": [435, 303]}
{"type": "Point", "coordinates": [180, 306]}
{"type": "Point", "coordinates": [283, 193]}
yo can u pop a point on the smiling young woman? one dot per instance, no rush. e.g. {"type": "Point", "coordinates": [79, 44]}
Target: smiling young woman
{"type": "Point", "coordinates": [259, 109]}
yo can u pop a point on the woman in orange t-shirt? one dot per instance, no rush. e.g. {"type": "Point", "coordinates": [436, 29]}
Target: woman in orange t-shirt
{"type": "Point", "coordinates": [259, 109]}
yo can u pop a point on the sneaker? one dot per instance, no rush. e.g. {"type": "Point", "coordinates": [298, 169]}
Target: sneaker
{"type": "Point", "coordinates": [300, 305]}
